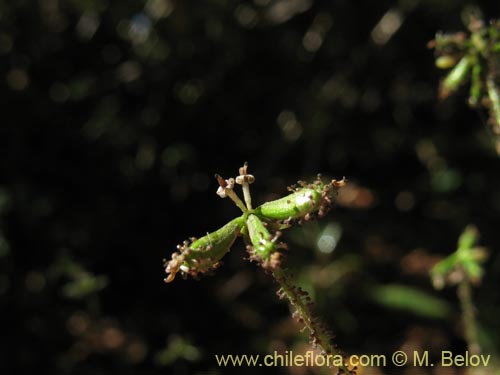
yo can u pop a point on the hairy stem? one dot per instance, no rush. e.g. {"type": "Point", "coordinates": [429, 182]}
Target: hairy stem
{"type": "Point", "coordinates": [300, 300]}
{"type": "Point", "coordinates": [464, 293]}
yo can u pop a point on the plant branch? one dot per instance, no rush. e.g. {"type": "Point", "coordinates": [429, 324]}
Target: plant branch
{"type": "Point", "coordinates": [301, 301]}
{"type": "Point", "coordinates": [464, 293]}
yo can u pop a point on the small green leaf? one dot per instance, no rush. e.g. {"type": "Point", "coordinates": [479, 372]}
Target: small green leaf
{"type": "Point", "coordinates": [473, 269]}
{"type": "Point", "coordinates": [456, 77]}
{"type": "Point", "coordinates": [203, 254]}
{"type": "Point", "coordinates": [84, 286]}
{"type": "Point", "coordinates": [445, 266]}
{"type": "Point", "coordinates": [494, 97]}
{"type": "Point", "coordinates": [292, 206]}
{"type": "Point", "coordinates": [401, 297]}
{"type": "Point", "coordinates": [468, 238]}
{"type": "Point", "coordinates": [476, 87]}
{"type": "Point", "coordinates": [445, 62]}
{"type": "Point", "coordinates": [262, 240]}
{"type": "Point", "coordinates": [466, 260]}
{"type": "Point", "coordinates": [177, 348]}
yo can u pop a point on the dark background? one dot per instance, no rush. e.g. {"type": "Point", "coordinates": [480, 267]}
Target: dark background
{"type": "Point", "coordinates": [115, 115]}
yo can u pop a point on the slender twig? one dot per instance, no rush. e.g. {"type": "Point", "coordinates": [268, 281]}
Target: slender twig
{"type": "Point", "coordinates": [464, 293]}
{"type": "Point", "coordinates": [300, 300]}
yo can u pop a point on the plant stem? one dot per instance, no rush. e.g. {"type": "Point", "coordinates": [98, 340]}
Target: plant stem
{"type": "Point", "coordinates": [231, 194]}
{"type": "Point", "coordinates": [464, 293]}
{"type": "Point", "coordinates": [301, 301]}
{"type": "Point", "coordinates": [246, 195]}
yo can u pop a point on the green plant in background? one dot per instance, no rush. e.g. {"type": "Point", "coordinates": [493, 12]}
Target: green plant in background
{"type": "Point", "coordinates": [464, 268]}
{"type": "Point", "coordinates": [474, 58]}
{"type": "Point", "coordinates": [260, 228]}
{"type": "Point", "coordinates": [177, 347]}
{"type": "Point", "coordinates": [80, 283]}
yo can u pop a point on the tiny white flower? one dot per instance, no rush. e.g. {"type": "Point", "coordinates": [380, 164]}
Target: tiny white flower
{"type": "Point", "coordinates": [225, 185]}
{"type": "Point", "coordinates": [245, 179]}
{"type": "Point", "coordinates": [226, 190]}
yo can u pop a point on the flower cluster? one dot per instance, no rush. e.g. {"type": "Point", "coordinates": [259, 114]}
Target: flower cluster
{"type": "Point", "coordinates": [260, 228]}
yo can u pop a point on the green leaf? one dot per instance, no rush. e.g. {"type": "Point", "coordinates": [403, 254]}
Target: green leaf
{"type": "Point", "coordinates": [445, 266]}
{"type": "Point", "coordinates": [473, 269]}
{"type": "Point", "coordinates": [456, 77]}
{"type": "Point", "coordinates": [468, 238]}
{"type": "Point", "coordinates": [177, 348]}
{"type": "Point", "coordinates": [84, 286]}
{"type": "Point", "coordinates": [416, 301]}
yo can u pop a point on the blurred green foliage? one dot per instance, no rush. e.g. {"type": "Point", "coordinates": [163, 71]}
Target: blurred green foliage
{"type": "Point", "coordinates": [466, 261]}
{"type": "Point", "coordinates": [177, 348]}
{"type": "Point", "coordinates": [115, 116]}
{"type": "Point", "coordinates": [81, 282]}
{"type": "Point", "coordinates": [410, 299]}
{"type": "Point", "coordinates": [473, 58]}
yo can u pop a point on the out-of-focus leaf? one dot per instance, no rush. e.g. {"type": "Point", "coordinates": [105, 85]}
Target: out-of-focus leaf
{"type": "Point", "coordinates": [468, 238]}
{"type": "Point", "coordinates": [177, 348]}
{"type": "Point", "coordinates": [466, 259]}
{"type": "Point", "coordinates": [84, 286]}
{"type": "Point", "coordinates": [445, 266]}
{"type": "Point", "coordinates": [473, 270]}
{"type": "Point", "coordinates": [410, 299]}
